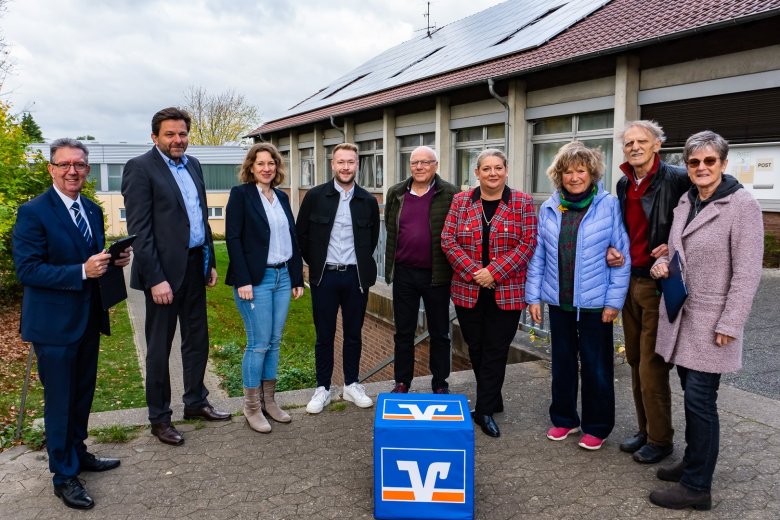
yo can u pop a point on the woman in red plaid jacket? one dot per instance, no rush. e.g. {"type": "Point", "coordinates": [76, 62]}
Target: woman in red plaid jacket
{"type": "Point", "coordinates": [489, 238]}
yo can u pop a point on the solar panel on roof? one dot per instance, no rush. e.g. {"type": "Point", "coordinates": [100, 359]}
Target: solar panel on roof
{"type": "Point", "coordinates": [503, 29]}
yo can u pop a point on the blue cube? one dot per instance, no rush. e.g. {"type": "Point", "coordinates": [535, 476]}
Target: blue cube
{"type": "Point", "coordinates": [423, 457]}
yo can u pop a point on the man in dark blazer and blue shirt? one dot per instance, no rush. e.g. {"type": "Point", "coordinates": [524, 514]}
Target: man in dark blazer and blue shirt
{"type": "Point", "coordinates": [165, 204]}
{"type": "Point", "coordinates": [58, 251]}
{"type": "Point", "coordinates": [338, 229]}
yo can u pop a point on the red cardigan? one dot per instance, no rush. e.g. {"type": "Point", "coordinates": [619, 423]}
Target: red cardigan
{"type": "Point", "coordinates": [512, 244]}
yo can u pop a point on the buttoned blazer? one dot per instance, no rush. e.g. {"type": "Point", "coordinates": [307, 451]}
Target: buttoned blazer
{"type": "Point", "coordinates": [155, 211]}
{"type": "Point", "coordinates": [48, 251]}
{"type": "Point", "coordinates": [512, 243]}
{"type": "Point", "coordinates": [248, 236]}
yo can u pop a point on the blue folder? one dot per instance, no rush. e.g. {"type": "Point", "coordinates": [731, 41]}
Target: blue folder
{"type": "Point", "coordinates": [673, 288]}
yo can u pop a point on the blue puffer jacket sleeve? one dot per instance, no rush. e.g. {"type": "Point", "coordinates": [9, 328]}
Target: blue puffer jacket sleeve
{"type": "Point", "coordinates": [596, 285]}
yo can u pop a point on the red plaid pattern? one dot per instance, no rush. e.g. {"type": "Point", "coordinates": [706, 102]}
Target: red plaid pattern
{"type": "Point", "coordinates": [512, 244]}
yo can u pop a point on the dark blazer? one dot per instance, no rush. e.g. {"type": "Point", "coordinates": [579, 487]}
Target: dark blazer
{"type": "Point", "coordinates": [248, 234]}
{"type": "Point", "coordinates": [156, 212]}
{"type": "Point", "coordinates": [315, 222]}
{"type": "Point", "coordinates": [48, 251]}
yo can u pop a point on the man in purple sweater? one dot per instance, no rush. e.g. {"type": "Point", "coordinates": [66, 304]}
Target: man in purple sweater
{"type": "Point", "coordinates": [416, 265]}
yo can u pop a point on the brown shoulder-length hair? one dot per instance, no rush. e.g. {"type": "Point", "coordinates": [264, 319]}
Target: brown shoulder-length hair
{"type": "Point", "coordinates": [245, 173]}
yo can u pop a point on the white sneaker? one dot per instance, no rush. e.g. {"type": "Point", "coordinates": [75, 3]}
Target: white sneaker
{"type": "Point", "coordinates": [357, 394]}
{"type": "Point", "coordinates": [319, 400]}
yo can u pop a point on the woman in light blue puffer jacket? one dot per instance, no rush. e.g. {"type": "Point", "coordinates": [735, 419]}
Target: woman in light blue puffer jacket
{"type": "Point", "coordinates": [569, 272]}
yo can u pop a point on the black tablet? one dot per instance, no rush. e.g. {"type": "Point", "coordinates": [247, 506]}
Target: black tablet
{"type": "Point", "coordinates": [119, 246]}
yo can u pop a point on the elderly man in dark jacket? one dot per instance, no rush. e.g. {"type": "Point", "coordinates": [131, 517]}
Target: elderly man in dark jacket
{"type": "Point", "coordinates": [415, 263]}
{"type": "Point", "coordinates": [648, 193]}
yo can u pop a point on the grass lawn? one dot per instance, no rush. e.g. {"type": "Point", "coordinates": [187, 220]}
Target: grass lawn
{"type": "Point", "coordinates": [119, 383]}
{"type": "Point", "coordinates": [228, 338]}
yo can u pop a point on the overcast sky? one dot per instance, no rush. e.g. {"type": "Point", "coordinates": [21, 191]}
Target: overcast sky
{"type": "Point", "coordinates": [103, 68]}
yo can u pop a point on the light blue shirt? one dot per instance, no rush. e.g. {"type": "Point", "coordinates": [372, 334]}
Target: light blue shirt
{"type": "Point", "coordinates": [189, 193]}
{"type": "Point", "coordinates": [341, 248]}
{"type": "Point", "coordinates": [280, 245]}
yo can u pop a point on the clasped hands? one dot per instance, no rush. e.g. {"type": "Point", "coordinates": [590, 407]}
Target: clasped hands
{"type": "Point", "coordinates": [484, 279]}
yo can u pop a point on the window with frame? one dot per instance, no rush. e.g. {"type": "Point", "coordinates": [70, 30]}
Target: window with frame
{"type": "Point", "coordinates": [371, 172]}
{"type": "Point", "coordinates": [307, 167]}
{"type": "Point", "coordinates": [287, 172]}
{"type": "Point", "coordinates": [94, 176]}
{"type": "Point", "coordinates": [593, 129]}
{"type": "Point", "coordinates": [406, 145]}
{"type": "Point", "coordinates": [469, 143]}
{"type": "Point", "coordinates": [114, 177]}
{"type": "Point", "coordinates": [216, 212]}
{"type": "Point", "coordinates": [220, 176]}
{"type": "Point", "coordinates": [328, 159]}
{"type": "Point", "coordinates": [122, 215]}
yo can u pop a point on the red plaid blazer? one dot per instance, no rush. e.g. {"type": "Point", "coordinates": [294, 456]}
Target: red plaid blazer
{"type": "Point", "coordinates": [512, 244]}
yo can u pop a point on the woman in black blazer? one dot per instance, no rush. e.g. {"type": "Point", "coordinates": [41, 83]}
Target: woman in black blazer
{"type": "Point", "coordinates": [265, 264]}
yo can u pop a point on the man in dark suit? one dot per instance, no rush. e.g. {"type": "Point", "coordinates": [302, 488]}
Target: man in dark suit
{"type": "Point", "coordinates": [165, 203]}
{"type": "Point", "coordinates": [58, 251]}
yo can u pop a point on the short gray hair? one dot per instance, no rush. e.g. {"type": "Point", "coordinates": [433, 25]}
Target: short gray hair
{"type": "Point", "coordinates": [67, 142]}
{"type": "Point", "coordinates": [704, 139]}
{"type": "Point", "coordinates": [651, 127]}
{"type": "Point", "coordinates": [491, 152]}
{"type": "Point", "coordinates": [428, 149]}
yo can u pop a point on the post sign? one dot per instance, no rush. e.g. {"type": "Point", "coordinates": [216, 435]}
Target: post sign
{"type": "Point", "coordinates": [423, 457]}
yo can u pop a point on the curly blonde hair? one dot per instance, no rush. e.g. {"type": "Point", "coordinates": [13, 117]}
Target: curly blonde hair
{"type": "Point", "coordinates": [576, 154]}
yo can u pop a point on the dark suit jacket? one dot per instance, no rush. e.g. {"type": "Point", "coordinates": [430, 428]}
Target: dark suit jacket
{"type": "Point", "coordinates": [248, 234]}
{"type": "Point", "coordinates": [156, 212]}
{"type": "Point", "coordinates": [48, 251]}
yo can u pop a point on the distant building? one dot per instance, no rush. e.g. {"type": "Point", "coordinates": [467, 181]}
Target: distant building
{"type": "Point", "coordinates": [530, 75]}
{"type": "Point", "coordinates": [220, 172]}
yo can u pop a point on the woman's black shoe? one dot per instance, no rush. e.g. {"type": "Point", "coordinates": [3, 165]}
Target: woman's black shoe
{"type": "Point", "coordinates": [632, 444]}
{"type": "Point", "coordinates": [488, 425]}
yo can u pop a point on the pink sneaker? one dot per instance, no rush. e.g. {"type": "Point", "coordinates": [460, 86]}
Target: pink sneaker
{"type": "Point", "coordinates": [589, 442]}
{"type": "Point", "coordinates": [557, 433]}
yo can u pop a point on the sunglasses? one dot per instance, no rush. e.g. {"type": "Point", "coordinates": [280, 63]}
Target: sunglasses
{"type": "Point", "coordinates": [708, 161]}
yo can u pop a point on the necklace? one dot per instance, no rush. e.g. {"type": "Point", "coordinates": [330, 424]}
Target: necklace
{"type": "Point", "coordinates": [486, 220]}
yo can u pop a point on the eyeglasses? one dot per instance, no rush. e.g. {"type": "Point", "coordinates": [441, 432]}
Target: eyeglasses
{"type": "Point", "coordinates": [423, 163]}
{"type": "Point", "coordinates": [64, 167]}
{"type": "Point", "coordinates": [708, 161]}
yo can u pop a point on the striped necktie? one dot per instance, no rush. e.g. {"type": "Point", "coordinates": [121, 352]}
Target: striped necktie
{"type": "Point", "coordinates": [82, 224]}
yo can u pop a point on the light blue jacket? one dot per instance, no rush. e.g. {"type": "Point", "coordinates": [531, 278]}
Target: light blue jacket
{"type": "Point", "coordinates": [596, 284]}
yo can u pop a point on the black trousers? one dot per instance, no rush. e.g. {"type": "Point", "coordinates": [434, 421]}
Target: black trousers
{"type": "Point", "coordinates": [488, 331]}
{"type": "Point", "coordinates": [409, 285]}
{"type": "Point", "coordinates": [189, 310]}
{"type": "Point", "coordinates": [338, 289]}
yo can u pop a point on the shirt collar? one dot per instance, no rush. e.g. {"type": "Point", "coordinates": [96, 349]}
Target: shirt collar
{"type": "Point", "coordinates": [344, 194]}
{"type": "Point", "coordinates": [409, 186]}
{"type": "Point", "coordinates": [67, 200]}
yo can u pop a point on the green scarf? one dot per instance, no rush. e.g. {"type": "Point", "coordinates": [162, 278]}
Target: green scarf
{"type": "Point", "coordinates": [566, 205]}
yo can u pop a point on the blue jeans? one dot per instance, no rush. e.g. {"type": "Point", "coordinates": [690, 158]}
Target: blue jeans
{"type": "Point", "coordinates": [590, 339]}
{"type": "Point", "coordinates": [702, 427]}
{"type": "Point", "coordinates": [264, 318]}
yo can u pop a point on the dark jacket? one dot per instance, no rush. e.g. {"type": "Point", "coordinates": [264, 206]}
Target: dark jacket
{"type": "Point", "coordinates": [48, 251]}
{"type": "Point", "coordinates": [315, 223]}
{"type": "Point", "coordinates": [248, 235]}
{"type": "Point", "coordinates": [156, 212]}
{"type": "Point", "coordinates": [666, 187]}
{"type": "Point", "coordinates": [440, 205]}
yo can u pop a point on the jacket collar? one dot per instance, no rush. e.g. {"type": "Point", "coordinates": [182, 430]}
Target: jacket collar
{"type": "Point", "coordinates": [505, 195]}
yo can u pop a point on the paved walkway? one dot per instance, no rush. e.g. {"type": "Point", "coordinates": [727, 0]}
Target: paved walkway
{"type": "Point", "coordinates": [321, 466]}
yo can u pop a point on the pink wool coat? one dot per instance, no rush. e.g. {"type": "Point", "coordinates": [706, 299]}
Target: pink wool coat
{"type": "Point", "coordinates": [721, 252]}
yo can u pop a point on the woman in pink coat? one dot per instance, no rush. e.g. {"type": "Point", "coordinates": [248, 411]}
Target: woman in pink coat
{"type": "Point", "coordinates": [718, 232]}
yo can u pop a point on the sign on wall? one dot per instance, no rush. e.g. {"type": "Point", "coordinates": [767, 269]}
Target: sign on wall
{"type": "Point", "coordinates": [757, 167]}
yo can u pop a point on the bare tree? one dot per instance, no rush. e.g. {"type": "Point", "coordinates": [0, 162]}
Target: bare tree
{"type": "Point", "coordinates": [218, 119]}
{"type": "Point", "coordinates": [5, 60]}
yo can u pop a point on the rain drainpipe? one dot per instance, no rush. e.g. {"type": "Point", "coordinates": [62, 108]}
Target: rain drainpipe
{"type": "Point", "coordinates": [503, 101]}
{"type": "Point", "coordinates": [333, 124]}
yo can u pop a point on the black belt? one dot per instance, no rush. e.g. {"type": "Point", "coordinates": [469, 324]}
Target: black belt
{"type": "Point", "coordinates": [641, 272]}
{"type": "Point", "coordinates": [195, 250]}
{"type": "Point", "coordinates": [338, 267]}
{"type": "Point", "coordinates": [276, 266]}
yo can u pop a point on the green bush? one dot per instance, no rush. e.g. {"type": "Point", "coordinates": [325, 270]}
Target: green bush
{"type": "Point", "coordinates": [771, 250]}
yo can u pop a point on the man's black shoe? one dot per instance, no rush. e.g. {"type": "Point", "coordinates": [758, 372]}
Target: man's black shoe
{"type": "Point", "coordinates": [652, 453]}
{"type": "Point", "coordinates": [680, 497]}
{"type": "Point", "coordinates": [671, 473]}
{"type": "Point", "coordinates": [167, 434]}
{"type": "Point", "coordinates": [206, 412]}
{"type": "Point", "coordinates": [632, 444]}
{"type": "Point", "coordinates": [73, 494]}
{"type": "Point", "coordinates": [91, 463]}
{"type": "Point", "coordinates": [488, 425]}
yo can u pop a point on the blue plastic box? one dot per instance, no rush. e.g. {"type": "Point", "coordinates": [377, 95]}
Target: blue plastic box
{"type": "Point", "coordinates": [423, 457]}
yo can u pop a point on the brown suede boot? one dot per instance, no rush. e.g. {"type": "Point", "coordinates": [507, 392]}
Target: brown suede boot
{"type": "Point", "coordinates": [254, 417]}
{"type": "Point", "coordinates": [269, 404]}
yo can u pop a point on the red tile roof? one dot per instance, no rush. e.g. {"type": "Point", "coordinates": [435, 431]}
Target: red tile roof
{"type": "Point", "coordinates": [621, 24]}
